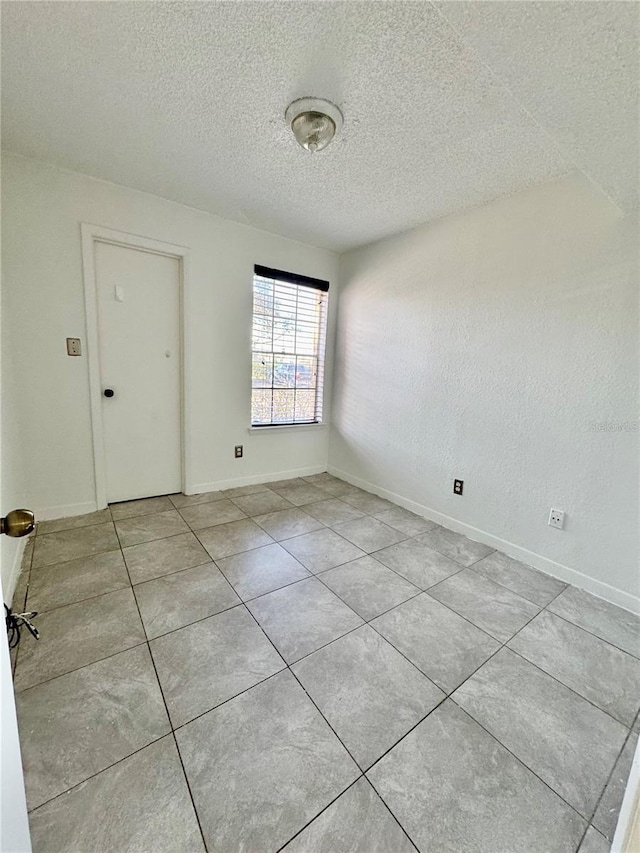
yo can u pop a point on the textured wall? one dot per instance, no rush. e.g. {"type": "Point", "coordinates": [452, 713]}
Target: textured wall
{"type": "Point", "coordinates": [13, 492]}
{"type": "Point", "coordinates": [44, 303]}
{"type": "Point", "coordinates": [485, 346]}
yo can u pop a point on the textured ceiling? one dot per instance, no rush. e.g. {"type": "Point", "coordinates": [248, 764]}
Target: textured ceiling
{"type": "Point", "coordinates": [446, 105]}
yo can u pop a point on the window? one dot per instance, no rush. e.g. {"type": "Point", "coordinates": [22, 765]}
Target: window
{"type": "Point", "coordinates": [289, 328]}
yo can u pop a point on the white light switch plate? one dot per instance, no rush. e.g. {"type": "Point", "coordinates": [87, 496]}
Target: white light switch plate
{"type": "Point", "coordinates": [74, 346]}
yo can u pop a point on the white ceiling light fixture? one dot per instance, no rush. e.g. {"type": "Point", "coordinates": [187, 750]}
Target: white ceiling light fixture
{"type": "Point", "coordinates": [314, 122]}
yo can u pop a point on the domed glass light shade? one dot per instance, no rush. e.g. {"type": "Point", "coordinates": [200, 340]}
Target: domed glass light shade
{"type": "Point", "coordinates": [314, 122]}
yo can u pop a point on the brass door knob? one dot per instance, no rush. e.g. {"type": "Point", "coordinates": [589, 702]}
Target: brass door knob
{"type": "Point", "coordinates": [19, 522]}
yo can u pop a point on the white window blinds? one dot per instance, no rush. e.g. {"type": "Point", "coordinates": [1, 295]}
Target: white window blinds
{"type": "Point", "coordinates": [289, 329]}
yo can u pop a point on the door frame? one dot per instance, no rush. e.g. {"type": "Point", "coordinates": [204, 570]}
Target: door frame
{"type": "Point", "coordinates": [92, 234]}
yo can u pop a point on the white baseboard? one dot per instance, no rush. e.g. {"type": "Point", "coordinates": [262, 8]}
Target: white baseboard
{"type": "Point", "coordinates": [50, 513]}
{"type": "Point", "coordinates": [65, 510]}
{"type": "Point", "coordinates": [14, 572]}
{"type": "Point", "coordinates": [218, 485]}
{"type": "Point", "coordinates": [550, 567]}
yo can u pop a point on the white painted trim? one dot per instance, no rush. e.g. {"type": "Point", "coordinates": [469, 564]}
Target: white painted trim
{"type": "Point", "coordinates": [257, 429]}
{"type": "Point", "coordinates": [544, 564]}
{"type": "Point", "coordinates": [16, 565]}
{"type": "Point", "coordinates": [14, 831]}
{"type": "Point", "coordinates": [90, 234]}
{"type": "Point", "coordinates": [51, 513]}
{"type": "Point", "coordinates": [256, 479]}
{"type": "Point", "coordinates": [628, 829]}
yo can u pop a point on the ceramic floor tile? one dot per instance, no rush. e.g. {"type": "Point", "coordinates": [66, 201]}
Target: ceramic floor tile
{"type": "Point", "coordinates": [368, 503]}
{"type": "Point", "coordinates": [206, 663]}
{"type": "Point", "coordinates": [454, 788]}
{"type": "Point", "coordinates": [610, 623]}
{"type": "Point", "coordinates": [83, 722]}
{"type": "Point", "coordinates": [528, 582]}
{"type": "Point", "coordinates": [454, 545]}
{"type": "Point", "coordinates": [302, 617]}
{"type": "Point", "coordinates": [496, 610]}
{"type": "Point", "coordinates": [144, 506]}
{"type": "Point", "coordinates": [261, 503]}
{"type": "Point", "coordinates": [242, 491]}
{"type": "Point", "coordinates": [602, 673]}
{"type": "Point", "coordinates": [79, 634]}
{"type": "Point", "coordinates": [322, 550]}
{"type": "Point", "coordinates": [318, 479]}
{"type": "Point", "coordinates": [262, 766]}
{"type": "Point", "coordinates": [405, 521]}
{"type": "Point", "coordinates": [275, 485]}
{"type": "Point", "coordinates": [608, 811]}
{"type": "Point", "coordinates": [301, 494]}
{"type": "Point", "coordinates": [570, 744]}
{"type": "Point", "coordinates": [286, 523]}
{"type": "Point", "coordinates": [209, 514]}
{"type": "Point", "coordinates": [178, 599]}
{"type": "Point", "coordinates": [370, 695]}
{"type": "Point", "coordinates": [368, 587]}
{"type": "Point", "coordinates": [182, 501]}
{"type": "Point", "coordinates": [337, 488]}
{"type": "Point", "coordinates": [333, 511]}
{"type": "Point", "coordinates": [68, 545]}
{"type": "Point", "coordinates": [442, 644]}
{"type": "Point", "coordinates": [118, 813]}
{"type": "Point", "coordinates": [146, 528]}
{"type": "Point", "coordinates": [163, 556]}
{"type": "Point", "coordinates": [358, 822]}
{"type": "Point", "coordinates": [423, 566]}
{"type": "Point", "coordinates": [261, 570]}
{"type": "Point", "coordinates": [369, 533]}
{"type": "Point", "coordinates": [100, 517]}
{"type": "Point", "coordinates": [65, 583]}
{"type": "Point", "coordinates": [593, 842]}
{"type": "Point", "coordinates": [233, 538]}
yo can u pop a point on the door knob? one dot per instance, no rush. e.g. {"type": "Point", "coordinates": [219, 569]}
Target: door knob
{"type": "Point", "coordinates": [108, 392]}
{"type": "Point", "coordinates": [19, 522]}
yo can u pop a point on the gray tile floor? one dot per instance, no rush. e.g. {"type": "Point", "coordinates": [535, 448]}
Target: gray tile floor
{"type": "Point", "coordinates": [303, 665]}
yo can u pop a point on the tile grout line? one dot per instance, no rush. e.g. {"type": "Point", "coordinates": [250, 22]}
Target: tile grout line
{"type": "Point", "coordinates": [80, 668]}
{"type": "Point", "coordinates": [521, 762]}
{"type": "Point", "coordinates": [166, 708]}
{"type": "Point", "coordinates": [362, 773]}
{"type": "Point", "coordinates": [97, 773]}
{"type": "Point", "coordinates": [365, 622]}
{"type": "Point", "coordinates": [462, 568]}
{"type": "Point", "coordinates": [407, 537]}
{"type": "Point", "coordinates": [587, 631]}
{"type": "Point", "coordinates": [566, 686]}
{"type": "Point", "coordinates": [630, 734]}
{"type": "Point", "coordinates": [449, 695]}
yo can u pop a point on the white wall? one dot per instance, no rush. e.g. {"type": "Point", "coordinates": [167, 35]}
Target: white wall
{"type": "Point", "coordinates": [13, 493]}
{"type": "Point", "coordinates": [14, 827]}
{"type": "Point", "coordinates": [485, 346]}
{"type": "Point", "coordinates": [43, 287]}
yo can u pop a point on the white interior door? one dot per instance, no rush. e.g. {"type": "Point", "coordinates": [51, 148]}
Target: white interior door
{"type": "Point", "coordinates": [140, 361]}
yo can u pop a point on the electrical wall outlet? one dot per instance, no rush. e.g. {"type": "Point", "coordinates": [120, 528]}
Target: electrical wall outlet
{"type": "Point", "coordinates": [73, 346]}
{"type": "Point", "coordinates": [556, 518]}
{"type": "Point", "coordinates": [238, 451]}
{"type": "Point", "coordinates": [458, 486]}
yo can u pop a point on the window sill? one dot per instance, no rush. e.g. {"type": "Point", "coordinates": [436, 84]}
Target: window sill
{"type": "Point", "coordinates": [270, 428]}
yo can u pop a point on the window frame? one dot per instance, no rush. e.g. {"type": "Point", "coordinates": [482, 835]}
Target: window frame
{"type": "Point", "coordinates": [301, 281]}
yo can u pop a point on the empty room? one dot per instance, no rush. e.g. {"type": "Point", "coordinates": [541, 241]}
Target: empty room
{"type": "Point", "coordinates": [319, 435]}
